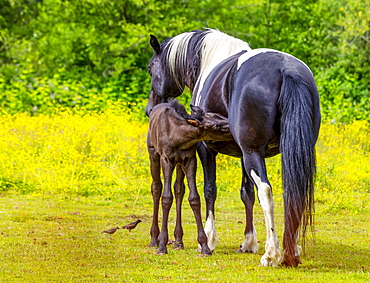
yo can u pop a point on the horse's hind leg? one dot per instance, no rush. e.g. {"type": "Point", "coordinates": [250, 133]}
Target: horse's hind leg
{"type": "Point", "coordinates": [179, 189]}
{"type": "Point", "coordinates": [156, 188]}
{"type": "Point", "coordinates": [167, 199]}
{"type": "Point", "coordinates": [208, 158]}
{"type": "Point", "coordinates": [256, 169]}
{"type": "Point", "coordinates": [194, 200]}
{"type": "Point", "coordinates": [250, 244]}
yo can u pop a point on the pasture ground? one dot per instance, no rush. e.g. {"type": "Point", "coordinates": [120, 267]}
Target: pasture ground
{"type": "Point", "coordinates": [55, 238]}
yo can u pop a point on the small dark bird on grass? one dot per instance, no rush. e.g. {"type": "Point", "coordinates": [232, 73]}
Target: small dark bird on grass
{"type": "Point", "coordinates": [111, 231]}
{"type": "Point", "coordinates": [131, 225]}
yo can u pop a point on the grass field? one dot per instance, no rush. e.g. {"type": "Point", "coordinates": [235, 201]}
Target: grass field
{"type": "Point", "coordinates": [65, 178]}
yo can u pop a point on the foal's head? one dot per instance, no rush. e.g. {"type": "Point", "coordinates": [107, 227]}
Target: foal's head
{"type": "Point", "coordinates": [198, 118]}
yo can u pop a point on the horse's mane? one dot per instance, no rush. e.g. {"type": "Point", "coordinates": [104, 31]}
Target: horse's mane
{"type": "Point", "coordinates": [209, 48]}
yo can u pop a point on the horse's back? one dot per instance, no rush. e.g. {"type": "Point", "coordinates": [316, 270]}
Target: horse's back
{"type": "Point", "coordinates": [257, 84]}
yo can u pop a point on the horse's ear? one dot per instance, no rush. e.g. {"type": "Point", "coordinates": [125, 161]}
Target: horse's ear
{"type": "Point", "coordinates": [155, 44]}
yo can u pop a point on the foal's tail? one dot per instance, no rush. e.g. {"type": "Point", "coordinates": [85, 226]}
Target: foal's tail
{"type": "Point", "coordinates": [298, 106]}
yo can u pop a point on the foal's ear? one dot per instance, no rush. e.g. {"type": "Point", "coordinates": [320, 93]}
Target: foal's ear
{"type": "Point", "coordinates": [155, 44]}
{"type": "Point", "coordinates": [197, 112]}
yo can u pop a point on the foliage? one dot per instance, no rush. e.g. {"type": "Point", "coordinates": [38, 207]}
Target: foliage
{"type": "Point", "coordinates": [84, 52]}
{"type": "Point", "coordinates": [78, 153]}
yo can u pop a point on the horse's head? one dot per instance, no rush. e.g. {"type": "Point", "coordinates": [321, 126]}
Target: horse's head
{"type": "Point", "coordinates": [163, 87]}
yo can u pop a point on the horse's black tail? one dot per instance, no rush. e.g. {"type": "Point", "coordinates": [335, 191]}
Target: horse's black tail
{"type": "Point", "coordinates": [299, 131]}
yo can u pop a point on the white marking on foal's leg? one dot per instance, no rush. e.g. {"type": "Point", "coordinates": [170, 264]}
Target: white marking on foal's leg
{"type": "Point", "coordinates": [250, 244]}
{"type": "Point", "coordinates": [272, 256]}
{"type": "Point", "coordinates": [210, 230]}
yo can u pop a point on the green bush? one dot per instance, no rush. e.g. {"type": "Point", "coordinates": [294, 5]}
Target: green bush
{"type": "Point", "coordinates": [84, 52]}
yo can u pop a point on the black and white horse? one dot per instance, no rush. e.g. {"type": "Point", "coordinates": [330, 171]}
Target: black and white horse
{"type": "Point", "coordinates": [271, 101]}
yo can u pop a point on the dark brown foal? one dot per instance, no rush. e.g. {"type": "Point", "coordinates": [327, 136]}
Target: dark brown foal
{"type": "Point", "coordinates": [172, 141]}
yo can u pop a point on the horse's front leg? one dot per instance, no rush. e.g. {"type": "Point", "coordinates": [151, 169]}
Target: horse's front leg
{"type": "Point", "coordinates": [156, 188]}
{"type": "Point", "coordinates": [207, 157]}
{"type": "Point", "coordinates": [167, 199]}
{"type": "Point", "coordinates": [250, 244]}
{"type": "Point", "coordinates": [255, 166]}
{"type": "Point", "coordinates": [179, 189]}
{"type": "Point", "coordinates": [194, 200]}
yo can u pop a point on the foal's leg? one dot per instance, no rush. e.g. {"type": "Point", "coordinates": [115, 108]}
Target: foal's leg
{"type": "Point", "coordinates": [167, 199]}
{"type": "Point", "coordinates": [179, 189]}
{"type": "Point", "coordinates": [250, 244]}
{"type": "Point", "coordinates": [156, 188]}
{"type": "Point", "coordinates": [208, 158]}
{"type": "Point", "coordinates": [256, 169]}
{"type": "Point", "coordinates": [194, 200]}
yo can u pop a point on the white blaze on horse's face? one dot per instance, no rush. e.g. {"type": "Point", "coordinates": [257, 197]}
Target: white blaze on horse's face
{"type": "Point", "coordinates": [272, 256]}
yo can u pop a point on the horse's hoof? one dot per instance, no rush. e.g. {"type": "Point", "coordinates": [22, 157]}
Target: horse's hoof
{"type": "Point", "coordinates": [293, 262]}
{"type": "Point", "coordinates": [203, 255]}
{"type": "Point", "coordinates": [206, 251]}
{"type": "Point", "coordinates": [245, 252]}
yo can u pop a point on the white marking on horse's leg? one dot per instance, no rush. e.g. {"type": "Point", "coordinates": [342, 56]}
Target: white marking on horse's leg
{"type": "Point", "coordinates": [299, 248]}
{"type": "Point", "coordinates": [210, 230]}
{"type": "Point", "coordinates": [272, 256]}
{"type": "Point", "coordinates": [250, 244]}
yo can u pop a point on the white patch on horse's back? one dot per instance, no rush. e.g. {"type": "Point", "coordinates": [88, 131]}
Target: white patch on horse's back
{"type": "Point", "coordinates": [216, 47]}
{"type": "Point", "coordinates": [246, 56]}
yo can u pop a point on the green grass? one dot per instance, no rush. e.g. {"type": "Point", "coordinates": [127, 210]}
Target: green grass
{"type": "Point", "coordinates": [66, 177]}
{"type": "Point", "coordinates": [59, 239]}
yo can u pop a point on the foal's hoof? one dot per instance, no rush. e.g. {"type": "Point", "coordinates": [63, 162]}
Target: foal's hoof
{"type": "Point", "coordinates": [154, 243]}
{"type": "Point", "coordinates": [178, 246]}
{"type": "Point", "coordinates": [162, 251]}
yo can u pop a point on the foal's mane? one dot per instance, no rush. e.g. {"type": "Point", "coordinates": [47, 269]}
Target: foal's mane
{"type": "Point", "coordinates": [198, 52]}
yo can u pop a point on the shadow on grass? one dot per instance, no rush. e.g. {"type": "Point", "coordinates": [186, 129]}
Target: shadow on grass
{"type": "Point", "coordinates": [339, 256]}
